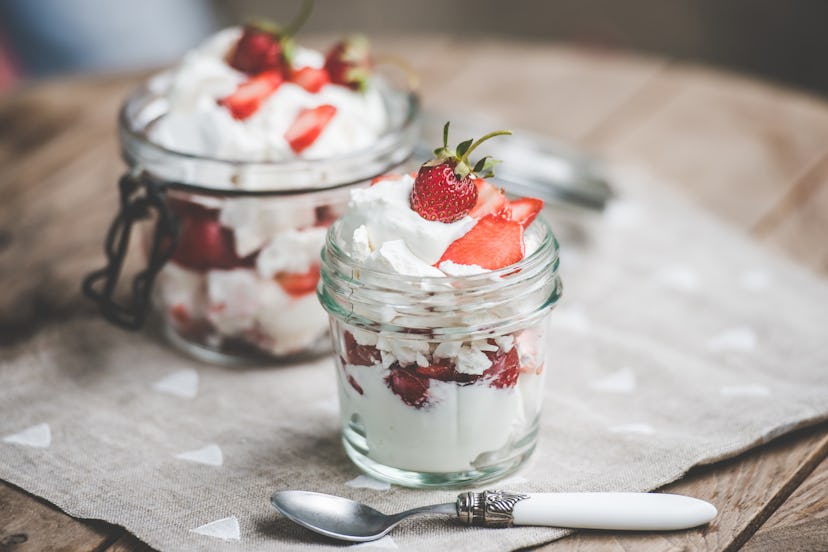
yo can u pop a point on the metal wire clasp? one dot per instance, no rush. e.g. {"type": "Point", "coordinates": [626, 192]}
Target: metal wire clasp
{"type": "Point", "coordinates": [140, 196]}
{"type": "Point", "coordinates": [488, 509]}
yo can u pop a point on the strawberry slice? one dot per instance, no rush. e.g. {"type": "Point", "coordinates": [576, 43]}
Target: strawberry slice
{"type": "Point", "coordinates": [410, 387]}
{"type": "Point", "coordinates": [492, 243]}
{"type": "Point", "coordinates": [525, 209]}
{"type": "Point", "coordinates": [360, 355]}
{"type": "Point", "coordinates": [505, 368]}
{"type": "Point", "coordinates": [308, 125]}
{"type": "Point", "coordinates": [298, 284]}
{"type": "Point", "coordinates": [444, 370]}
{"type": "Point", "coordinates": [203, 243]}
{"type": "Point", "coordinates": [490, 200]}
{"type": "Point", "coordinates": [355, 385]}
{"type": "Point", "coordinates": [250, 95]}
{"type": "Point", "coordinates": [310, 78]}
{"type": "Point", "coordinates": [386, 176]}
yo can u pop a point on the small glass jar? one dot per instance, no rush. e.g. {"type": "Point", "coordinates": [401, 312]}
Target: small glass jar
{"type": "Point", "coordinates": [232, 246]}
{"type": "Point", "coordinates": [440, 379]}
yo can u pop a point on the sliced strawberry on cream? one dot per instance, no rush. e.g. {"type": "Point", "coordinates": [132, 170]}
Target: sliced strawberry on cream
{"type": "Point", "coordinates": [311, 79]}
{"type": "Point", "coordinates": [308, 126]}
{"type": "Point", "coordinates": [490, 200]}
{"type": "Point", "coordinates": [524, 210]}
{"type": "Point", "coordinates": [492, 243]}
{"type": "Point", "coordinates": [299, 284]}
{"type": "Point", "coordinates": [250, 95]}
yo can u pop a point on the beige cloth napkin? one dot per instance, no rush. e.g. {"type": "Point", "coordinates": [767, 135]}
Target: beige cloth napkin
{"type": "Point", "coordinates": [678, 342]}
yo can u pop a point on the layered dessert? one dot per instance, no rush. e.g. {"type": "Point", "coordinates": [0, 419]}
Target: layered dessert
{"type": "Point", "coordinates": [244, 269]}
{"type": "Point", "coordinates": [440, 344]}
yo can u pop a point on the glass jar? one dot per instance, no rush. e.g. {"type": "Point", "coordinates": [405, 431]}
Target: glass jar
{"type": "Point", "coordinates": [233, 247]}
{"type": "Point", "coordinates": [440, 379]}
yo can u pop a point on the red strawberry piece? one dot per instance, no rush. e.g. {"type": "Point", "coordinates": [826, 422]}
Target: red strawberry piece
{"type": "Point", "coordinates": [490, 200]}
{"type": "Point", "coordinates": [349, 63]}
{"type": "Point", "coordinates": [308, 125]}
{"type": "Point", "coordinates": [310, 78]}
{"type": "Point", "coordinates": [258, 50]}
{"type": "Point", "coordinates": [298, 284]}
{"type": "Point", "coordinates": [355, 385]}
{"type": "Point", "coordinates": [492, 243]}
{"type": "Point", "coordinates": [203, 243]}
{"type": "Point", "coordinates": [525, 209]}
{"type": "Point", "coordinates": [250, 95]}
{"type": "Point", "coordinates": [360, 355]}
{"type": "Point", "coordinates": [442, 371]}
{"type": "Point", "coordinates": [445, 371]}
{"type": "Point", "coordinates": [325, 216]}
{"type": "Point", "coordinates": [408, 385]}
{"type": "Point", "coordinates": [388, 176]}
{"type": "Point", "coordinates": [504, 370]}
{"type": "Point", "coordinates": [439, 195]}
{"type": "Point", "coordinates": [180, 314]}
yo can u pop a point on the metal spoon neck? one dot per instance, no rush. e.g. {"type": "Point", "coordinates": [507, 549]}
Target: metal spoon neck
{"type": "Point", "coordinates": [449, 508]}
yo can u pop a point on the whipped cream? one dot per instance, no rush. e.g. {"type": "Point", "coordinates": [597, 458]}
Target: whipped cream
{"type": "Point", "coordinates": [381, 231]}
{"type": "Point", "coordinates": [194, 123]}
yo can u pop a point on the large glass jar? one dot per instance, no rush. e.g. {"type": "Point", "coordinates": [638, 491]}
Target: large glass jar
{"type": "Point", "coordinates": [440, 379]}
{"type": "Point", "coordinates": [233, 247]}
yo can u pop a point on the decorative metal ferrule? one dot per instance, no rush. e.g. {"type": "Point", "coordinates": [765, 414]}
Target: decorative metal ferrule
{"type": "Point", "coordinates": [488, 509]}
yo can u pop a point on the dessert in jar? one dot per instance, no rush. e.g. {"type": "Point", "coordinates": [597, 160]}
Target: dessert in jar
{"type": "Point", "coordinates": [240, 158]}
{"type": "Point", "coordinates": [438, 288]}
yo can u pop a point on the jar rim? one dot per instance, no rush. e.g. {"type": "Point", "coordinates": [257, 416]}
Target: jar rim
{"type": "Point", "coordinates": [393, 147]}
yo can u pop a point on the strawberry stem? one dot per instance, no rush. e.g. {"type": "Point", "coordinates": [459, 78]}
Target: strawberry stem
{"type": "Point", "coordinates": [465, 158]}
{"type": "Point", "coordinates": [304, 12]}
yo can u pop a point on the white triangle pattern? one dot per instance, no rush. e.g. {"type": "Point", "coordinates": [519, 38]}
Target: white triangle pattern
{"type": "Point", "coordinates": [39, 436]}
{"type": "Point", "coordinates": [385, 543]}
{"type": "Point", "coordinates": [643, 429]}
{"type": "Point", "coordinates": [224, 529]}
{"type": "Point", "coordinates": [365, 482]}
{"type": "Point", "coordinates": [183, 383]}
{"type": "Point", "coordinates": [210, 455]}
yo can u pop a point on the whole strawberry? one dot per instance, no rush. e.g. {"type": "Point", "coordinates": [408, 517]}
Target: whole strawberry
{"type": "Point", "coordinates": [349, 62]}
{"type": "Point", "coordinates": [444, 189]}
{"type": "Point", "coordinates": [266, 46]}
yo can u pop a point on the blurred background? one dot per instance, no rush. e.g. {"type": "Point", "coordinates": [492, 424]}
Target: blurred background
{"type": "Point", "coordinates": [780, 41]}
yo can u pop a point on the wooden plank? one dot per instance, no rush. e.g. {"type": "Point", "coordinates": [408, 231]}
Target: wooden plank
{"type": "Point", "coordinates": [734, 145]}
{"type": "Point", "coordinates": [801, 523]}
{"type": "Point", "coordinates": [797, 226]}
{"type": "Point", "coordinates": [743, 489]}
{"type": "Point", "coordinates": [27, 523]}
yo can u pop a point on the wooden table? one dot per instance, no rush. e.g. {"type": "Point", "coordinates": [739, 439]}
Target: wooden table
{"type": "Point", "coordinates": [754, 154]}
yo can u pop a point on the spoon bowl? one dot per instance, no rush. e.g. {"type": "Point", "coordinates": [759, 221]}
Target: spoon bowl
{"type": "Point", "coordinates": [341, 518]}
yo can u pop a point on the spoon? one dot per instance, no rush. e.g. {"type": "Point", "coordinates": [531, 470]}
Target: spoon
{"type": "Point", "coordinates": [341, 518]}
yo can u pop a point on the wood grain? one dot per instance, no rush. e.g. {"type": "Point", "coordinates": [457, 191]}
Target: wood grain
{"type": "Point", "coordinates": [744, 489]}
{"type": "Point", "coordinates": [801, 523]}
{"type": "Point", "coordinates": [755, 154]}
{"type": "Point", "coordinates": [27, 523]}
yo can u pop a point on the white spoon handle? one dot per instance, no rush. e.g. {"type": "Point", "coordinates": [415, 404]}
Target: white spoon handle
{"type": "Point", "coordinates": [616, 511]}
